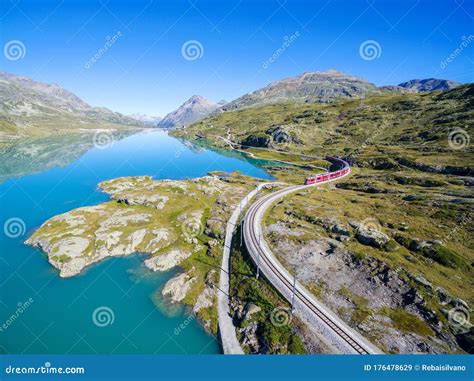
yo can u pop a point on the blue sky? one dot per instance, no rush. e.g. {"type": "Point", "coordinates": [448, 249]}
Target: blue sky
{"type": "Point", "coordinates": [144, 69]}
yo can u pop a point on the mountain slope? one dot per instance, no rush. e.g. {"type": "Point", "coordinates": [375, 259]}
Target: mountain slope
{"type": "Point", "coordinates": [194, 109]}
{"type": "Point", "coordinates": [430, 84]}
{"type": "Point", "coordinates": [28, 107]}
{"type": "Point", "coordinates": [405, 120]}
{"type": "Point", "coordinates": [411, 183]}
{"type": "Point", "coordinates": [422, 85]}
{"type": "Point", "coordinates": [322, 87]}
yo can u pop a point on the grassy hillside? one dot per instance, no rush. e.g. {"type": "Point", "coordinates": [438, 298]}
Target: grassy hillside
{"type": "Point", "coordinates": [411, 181]}
{"type": "Point", "coordinates": [409, 126]}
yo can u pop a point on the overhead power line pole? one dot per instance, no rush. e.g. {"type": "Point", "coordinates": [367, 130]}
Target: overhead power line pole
{"type": "Point", "coordinates": [293, 292]}
{"type": "Point", "coordinates": [258, 255]}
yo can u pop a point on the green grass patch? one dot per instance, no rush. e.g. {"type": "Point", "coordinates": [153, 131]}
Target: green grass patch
{"type": "Point", "coordinates": [407, 322]}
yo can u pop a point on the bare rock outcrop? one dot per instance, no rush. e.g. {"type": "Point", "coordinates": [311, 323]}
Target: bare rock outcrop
{"type": "Point", "coordinates": [177, 288]}
{"type": "Point", "coordinates": [168, 260]}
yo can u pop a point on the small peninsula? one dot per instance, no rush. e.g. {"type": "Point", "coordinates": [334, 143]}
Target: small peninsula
{"type": "Point", "coordinates": [178, 223]}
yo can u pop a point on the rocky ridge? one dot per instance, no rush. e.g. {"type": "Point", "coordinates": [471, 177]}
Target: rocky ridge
{"type": "Point", "coordinates": [307, 87]}
{"type": "Point", "coordinates": [27, 106]}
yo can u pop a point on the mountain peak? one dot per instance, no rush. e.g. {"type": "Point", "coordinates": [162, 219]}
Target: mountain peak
{"type": "Point", "coordinates": [197, 100]}
{"type": "Point", "coordinates": [327, 73]}
{"type": "Point", "coordinates": [195, 108]}
{"type": "Point", "coordinates": [323, 87]}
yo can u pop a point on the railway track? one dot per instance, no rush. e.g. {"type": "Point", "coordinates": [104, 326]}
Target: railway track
{"type": "Point", "coordinates": [349, 340]}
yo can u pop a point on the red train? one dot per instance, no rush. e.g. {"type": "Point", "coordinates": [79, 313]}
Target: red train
{"type": "Point", "coordinates": [343, 170]}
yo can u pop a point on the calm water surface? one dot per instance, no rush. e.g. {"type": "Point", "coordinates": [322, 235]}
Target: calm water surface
{"type": "Point", "coordinates": [42, 313]}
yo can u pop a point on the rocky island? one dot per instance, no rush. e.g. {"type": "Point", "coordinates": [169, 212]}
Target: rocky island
{"type": "Point", "coordinates": [178, 223]}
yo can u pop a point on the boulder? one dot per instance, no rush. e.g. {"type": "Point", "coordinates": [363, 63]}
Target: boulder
{"type": "Point", "coordinates": [167, 261]}
{"type": "Point", "coordinates": [177, 288]}
{"type": "Point", "coordinates": [443, 296]}
{"type": "Point", "coordinates": [370, 236]}
{"type": "Point", "coordinates": [280, 135]}
{"type": "Point", "coordinates": [215, 228]}
{"type": "Point", "coordinates": [423, 282]}
{"type": "Point", "coordinates": [339, 228]}
{"type": "Point", "coordinates": [250, 309]}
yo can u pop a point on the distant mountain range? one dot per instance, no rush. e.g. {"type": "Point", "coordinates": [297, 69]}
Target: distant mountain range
{"type": "Point", "coordinates": [28, 106]}
{"type": "Point", "coordinates": [194, 109]}
{"type": "Point", "coordinates": [146, 119]}
{"type": "Point", "coordinates": [423, 85]}
{"type": "Point", "coordinates": [325, 87]}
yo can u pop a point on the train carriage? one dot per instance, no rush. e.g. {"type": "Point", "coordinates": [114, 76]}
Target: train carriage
{"type": "Point", "coordinates": [343, 170]}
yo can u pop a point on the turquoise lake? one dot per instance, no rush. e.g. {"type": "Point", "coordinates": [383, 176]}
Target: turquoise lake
{"type": "Point", "coordinates": [42, 313]}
